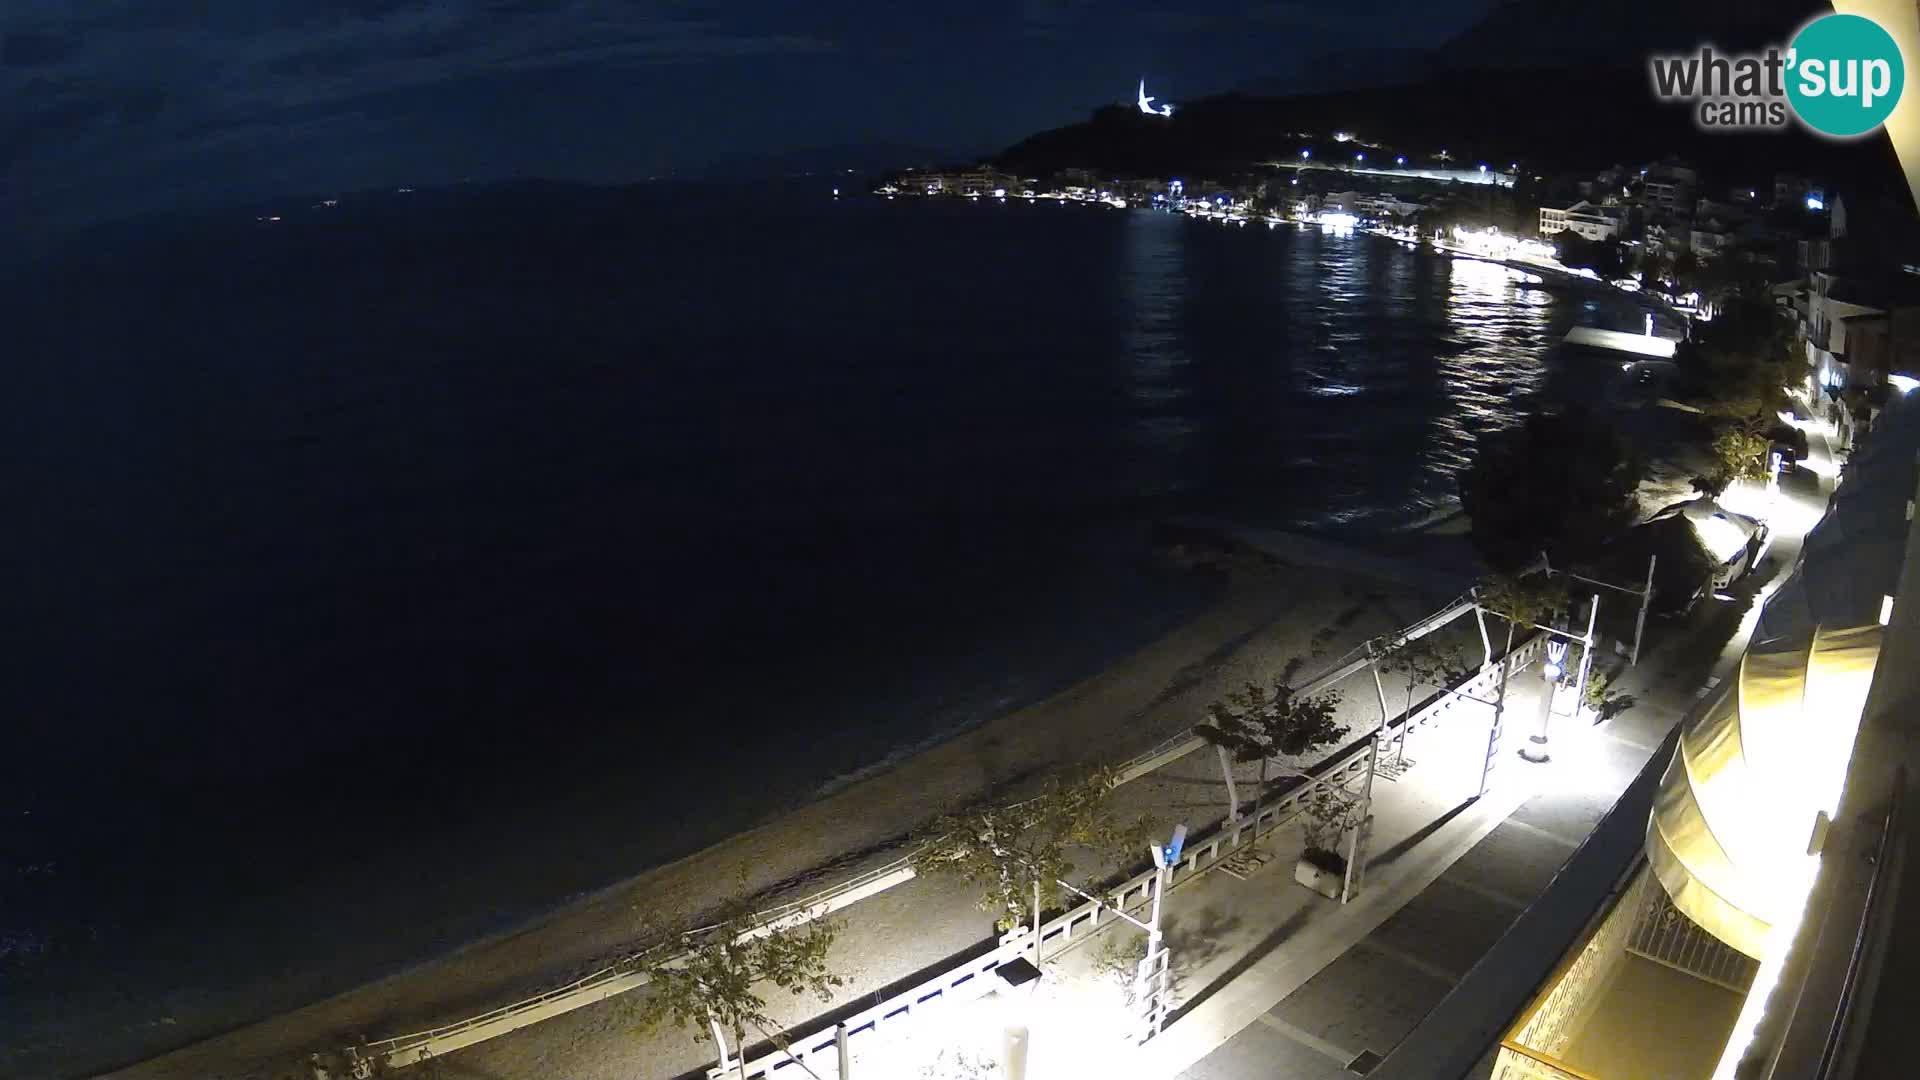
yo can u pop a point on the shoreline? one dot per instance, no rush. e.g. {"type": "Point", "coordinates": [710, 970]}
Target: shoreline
{"type": "Point", "coordinates": [1134, 702]}
{"type": "Point", "coordinates": [1204, 633]}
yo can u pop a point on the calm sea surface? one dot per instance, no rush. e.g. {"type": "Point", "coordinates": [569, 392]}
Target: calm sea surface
{"type": "Point", "coordinates": [446, 516]}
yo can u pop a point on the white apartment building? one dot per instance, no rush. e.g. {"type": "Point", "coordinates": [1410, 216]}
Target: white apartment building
{"type": "Point", "coordinates": [1583, 219]}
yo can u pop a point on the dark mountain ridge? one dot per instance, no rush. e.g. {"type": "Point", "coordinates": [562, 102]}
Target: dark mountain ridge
{"type": "Point", "coordinates": [1556, 86]}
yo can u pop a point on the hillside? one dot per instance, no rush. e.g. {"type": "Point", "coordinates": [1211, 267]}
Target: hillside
{"type": "Point", "coordinates": [1556, 86]}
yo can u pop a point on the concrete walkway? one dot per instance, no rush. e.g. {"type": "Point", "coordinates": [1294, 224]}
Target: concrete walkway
{"type": "Point", "coordinates": [1271, 979]}
{"type": "Point", "coordinates": [1351, 982]}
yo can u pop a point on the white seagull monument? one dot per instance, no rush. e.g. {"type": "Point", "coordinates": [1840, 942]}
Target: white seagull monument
{"type": "Point", "coordinates": [1147, 106]}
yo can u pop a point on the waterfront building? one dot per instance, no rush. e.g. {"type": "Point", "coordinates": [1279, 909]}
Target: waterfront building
{"type": "Point", "coordinates": [1583, 219]}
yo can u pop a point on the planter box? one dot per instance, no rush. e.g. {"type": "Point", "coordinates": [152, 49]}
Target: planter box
{"type": "Point", "coordinates": [1325, 882]}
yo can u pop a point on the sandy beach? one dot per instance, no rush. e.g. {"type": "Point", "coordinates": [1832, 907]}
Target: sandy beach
{"type": "Point", "coordinates": [1270, 613]}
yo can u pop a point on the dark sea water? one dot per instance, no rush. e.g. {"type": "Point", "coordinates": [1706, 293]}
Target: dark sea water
{"type": "Point", "coordinates": [349, 557]}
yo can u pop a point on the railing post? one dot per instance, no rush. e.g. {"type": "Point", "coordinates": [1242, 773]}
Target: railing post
{"type": "Point", "coordinates": [1354, 854]}
{"type": "Point", "coordinates": [1486, 643]}
{"type": "Point", "coordinates": [1036, 920]}
{"type": "Point", "coordinates": [1586, 657]}
{"type": "Point", "coordinates": [1499, 713]}
{"type": "Point", "coordinates": [1233, 794]}
{"type": "Point", "coordinates": [846, 1056]}
{"type": "Point", "coordinates": [1640, 623]}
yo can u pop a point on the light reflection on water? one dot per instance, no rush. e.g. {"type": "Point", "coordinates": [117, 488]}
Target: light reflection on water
{"type": "Point", "coordinates": [1505, 331]}
{"type": "Point", "coordinates": [1320, 380]}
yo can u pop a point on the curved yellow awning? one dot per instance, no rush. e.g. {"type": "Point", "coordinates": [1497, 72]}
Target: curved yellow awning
{"type": "Point", "coordinates": [1737, 805]}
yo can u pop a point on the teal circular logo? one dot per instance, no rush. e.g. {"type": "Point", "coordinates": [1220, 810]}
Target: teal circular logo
{"type": "Point", "coordinates": [1845, 76]}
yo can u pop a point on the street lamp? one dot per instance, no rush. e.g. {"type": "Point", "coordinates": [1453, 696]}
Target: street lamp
{"type": "Point", "coordinates": [1022, 978]}
{"type": "Point", "coordinates": [1550, 672]}
{"type": "Point", "coordinates": [1150, 978]}
{"type": "Point", "coordinates": [1305, 154]}
{"type": "Point", "coordinates": [1400, 160]}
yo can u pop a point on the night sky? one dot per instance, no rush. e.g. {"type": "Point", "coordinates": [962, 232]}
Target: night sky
{"type": "Point", "coordinates": [123, 106]}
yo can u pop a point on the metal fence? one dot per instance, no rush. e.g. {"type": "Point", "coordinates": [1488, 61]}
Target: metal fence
{"type": "Point", "coordinates": [1663, 934]}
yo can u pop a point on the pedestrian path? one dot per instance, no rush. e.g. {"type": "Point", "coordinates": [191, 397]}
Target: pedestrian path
{"type": "Point", "coordinates": [1394, 966]}
{"type": "Point", "coordinates": [1352, 982]}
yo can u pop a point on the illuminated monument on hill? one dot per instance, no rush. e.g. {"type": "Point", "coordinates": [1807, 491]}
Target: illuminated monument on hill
{"type": "Point", "coordinates": [1147, 106]}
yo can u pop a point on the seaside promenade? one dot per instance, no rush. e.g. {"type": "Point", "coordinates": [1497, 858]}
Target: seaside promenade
{"type": "Point", "coordinates": [1272, 980]}
{"type": "Point", "coordinates": [1343, 986]}
{"type": "Point", "coordinates": [1269, 978]}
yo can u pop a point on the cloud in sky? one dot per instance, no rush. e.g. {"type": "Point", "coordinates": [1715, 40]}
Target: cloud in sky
{"type": "Point", "coordinates": [114, 102]}
{"type": "Point", "coordinates": [116, 87]}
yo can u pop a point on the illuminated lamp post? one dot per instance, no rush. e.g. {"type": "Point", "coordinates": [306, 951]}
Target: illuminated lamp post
{"type": "Point", "coordinates": [1150, 978]}
{"type": "Point", "coordinates": [1022, 978]}
{"type": "Point", "coordinates": [1550, 672]}
{"type": "Point", "coordinates": [1556, 666]}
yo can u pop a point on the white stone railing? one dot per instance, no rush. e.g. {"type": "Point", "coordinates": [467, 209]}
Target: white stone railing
{"type": "Point", "coordinates": [627, 974]}
{"type": "Point", "coordinates": [828, 1051]}
{"type": "Point", "coordinates": [1201, 854]}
